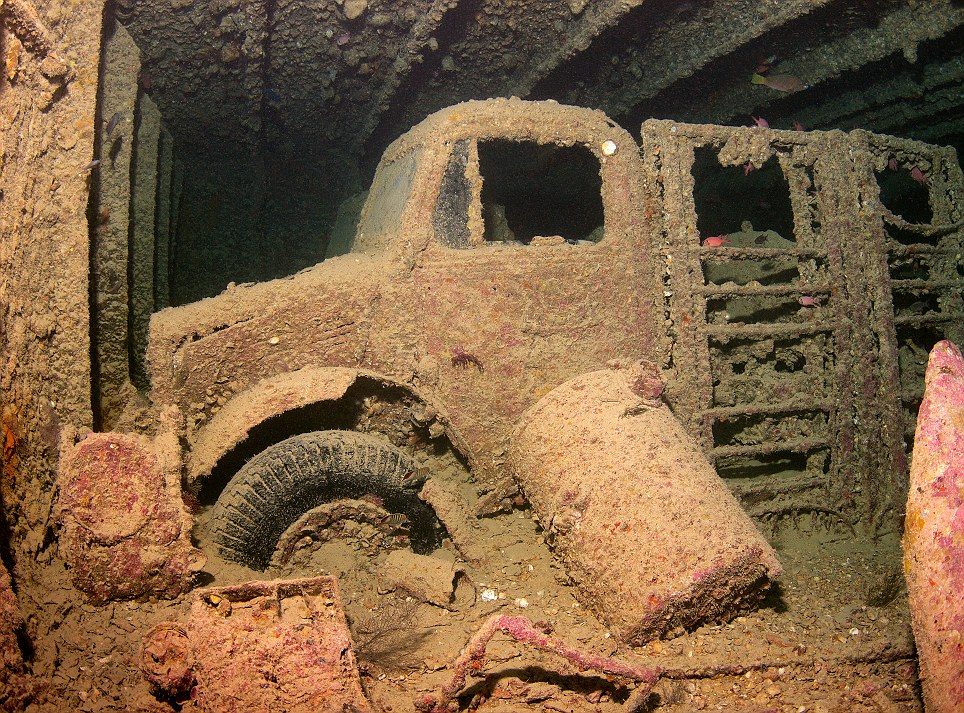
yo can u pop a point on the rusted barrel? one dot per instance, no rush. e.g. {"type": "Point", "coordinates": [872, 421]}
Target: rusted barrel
{"type": "Point", "coordinates": [650, 535]}
{"type": "Point", "coordinates": [934, 532]}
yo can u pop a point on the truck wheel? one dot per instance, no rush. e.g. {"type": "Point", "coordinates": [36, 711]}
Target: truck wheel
{"type": "Point", "coordinates": [286, 480]}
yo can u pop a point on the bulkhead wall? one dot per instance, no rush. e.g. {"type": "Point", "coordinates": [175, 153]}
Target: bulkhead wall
{"type": "Point", "coordinates": [48, 95]}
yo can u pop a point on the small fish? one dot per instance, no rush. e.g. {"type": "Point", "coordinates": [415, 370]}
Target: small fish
{"type": "Point", "coordinates": [748, 167]}
{"type": "Point", "coordinates": [146, 82]}
{"type": "Point", "coordinates": [397, 519]}
{"type": "Point", "coordinates": [918, 176]}
{"type": "Point", "coordinates": [808, 300]}
{"type": "Point", "coordinates": [415, 477]}
{"type": "Point", "coordinates": [715, 241]}
{"type": "Point", "coordinates": [112, 124]}
{"type": "Point", "coordinates": [797, 126]}
{"type": "Point", "coordinates": [781, 82]}
{"type": "Point", "coordinates": [89, 167]}
{"type": "Point", "coordinates": [892, 164]}
{"type": "Point", "coordinates": [760, 122]}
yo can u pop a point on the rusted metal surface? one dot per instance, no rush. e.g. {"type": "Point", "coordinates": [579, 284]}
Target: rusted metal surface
{"type": "Point", "coordinates": [787, 342]}
{"type": "Point", "coordinates": [126, 532]}
{"type": "Point", "coordinates": [427, 579]}
{"type": "Point", "coordinates": [111, 247]}
{"type": "Point", "coordinates": [22, 19]}
{"type": "Point", "coordinates": [933, 545]}
{"type": "Point", "coordinates": [278, 645]}
{"type": "Point", "coordinates": [229, 426]}
{"type": "Point", "coordinates": [228, 419]}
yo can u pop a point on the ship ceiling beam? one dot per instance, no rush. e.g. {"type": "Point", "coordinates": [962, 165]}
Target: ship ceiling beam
{"type": "Point", "coordinates": [413, 51]}
{"type": "Point", "coordinates": [900, 31]}
{"type": "Point", "coordinates": [486, 48]}
{"type": "Point", "coordinates": [203, 66]}
{"type": "Point", "coordinates": [334, 78]}
{"type": "Point", "coordinates": [665, 48]}
{"type": "Point", "coordinates": [594, 19]}
{"type": "Point", "coordinates": [906, 101]}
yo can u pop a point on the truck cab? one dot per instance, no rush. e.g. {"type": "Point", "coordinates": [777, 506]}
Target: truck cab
{"type": "Point", "coordinates": [502, 250]}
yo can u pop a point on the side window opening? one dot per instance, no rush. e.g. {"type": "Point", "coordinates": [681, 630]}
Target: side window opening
{"type": "Point", "coordinates": [904, 192]}
{"type": "Point", "coordinates": [532, 190]}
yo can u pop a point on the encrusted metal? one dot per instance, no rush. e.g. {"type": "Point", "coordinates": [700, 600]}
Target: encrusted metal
{"type": "Point", "coordinates": [822, 353]}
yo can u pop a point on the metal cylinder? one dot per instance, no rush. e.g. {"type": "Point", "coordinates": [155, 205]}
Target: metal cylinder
{"type": "Point", "coordinates": [650, 535]}
{"type": "Point", "coordinates": [934, 532]}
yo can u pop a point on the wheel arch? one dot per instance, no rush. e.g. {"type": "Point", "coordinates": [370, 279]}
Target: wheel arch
{"type": "Point", "coordinates": [300, 401]}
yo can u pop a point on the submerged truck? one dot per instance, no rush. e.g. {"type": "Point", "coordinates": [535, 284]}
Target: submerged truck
{"type": "Point", "coordinates": [509, 249]}
{"type": "Point", "coordinates": [505, 247]}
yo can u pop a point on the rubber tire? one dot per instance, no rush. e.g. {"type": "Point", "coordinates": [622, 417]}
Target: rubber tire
{"type": "Point", "coordinates": [293, 476]}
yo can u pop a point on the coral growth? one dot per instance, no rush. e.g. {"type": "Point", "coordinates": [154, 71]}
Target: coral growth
{"type": "Point", "coordinates": [472, 657]}
{"type": "Point", "coordinates": [261, 645]}
{"type": "Point", "coordinates": [126, 532]}
{"type": "Point", "coordinates": [934, 531]}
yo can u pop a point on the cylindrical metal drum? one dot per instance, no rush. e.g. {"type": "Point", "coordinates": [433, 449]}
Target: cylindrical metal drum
{"type": "Point", "coordinates": [934, 532]}
{"type": "Point", "coordinates": [650, 535]}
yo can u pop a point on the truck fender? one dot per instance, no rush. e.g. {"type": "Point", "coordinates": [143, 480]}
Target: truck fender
{"type": "Point", "coordinates": [231, 427]}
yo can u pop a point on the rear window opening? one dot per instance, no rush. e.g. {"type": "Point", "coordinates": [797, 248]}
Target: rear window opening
{"type": "Point", "coordinates": [904, 192]}
{"type": "Point", "coordinates": [742, 202]}
{"type": "Point", "coordinates": [532, 190]}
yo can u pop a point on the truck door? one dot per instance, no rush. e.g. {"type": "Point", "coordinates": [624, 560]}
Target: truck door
{"type": "Point", "coordinates": [533, 276]}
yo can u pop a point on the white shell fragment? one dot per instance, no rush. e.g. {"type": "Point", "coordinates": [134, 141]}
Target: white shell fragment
{"type": "Point", "coordinates": [608, 147]}
{"type": "Point", "coordinates": [489, 595]}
